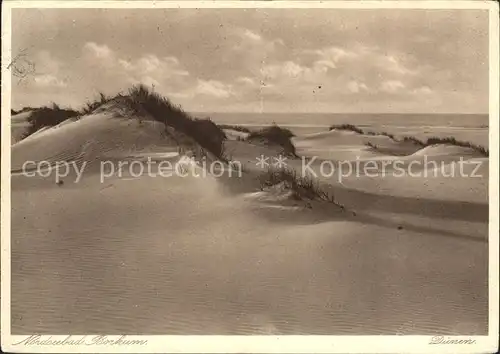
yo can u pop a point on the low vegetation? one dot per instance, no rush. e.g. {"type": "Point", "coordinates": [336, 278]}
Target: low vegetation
{"type": "Point", "coordinates": [447, 141]}
{"type": "Point", "coordinates": [48, 117]}
{"type": "Point", "coordinates": [413, 140]}
{"type": "Point", "coordinates": [388, 135]}
{"type": "Point", "coordinates": [275, 135]}
{"type": "Point", "coordinates": [452, 141]}
{"type": "Point", "coordinates": [205, 132]}
{"type": "Point", "coordinates": [360, 131]}
{"type": "Point", "coordinates": [347, 127]}
{"type": "Point", "coordinates": [302, 187]}
{"type": "Point", "coordinates": [92, 106]}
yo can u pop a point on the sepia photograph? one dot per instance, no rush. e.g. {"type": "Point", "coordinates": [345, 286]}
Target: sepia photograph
{"type": "Point", "coordinates": [269, 170]}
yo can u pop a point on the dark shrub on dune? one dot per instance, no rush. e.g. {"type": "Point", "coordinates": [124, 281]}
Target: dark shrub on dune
{"type": "Point", "coordinates": [48, 117]}
{"type": "Point", "coordinates": [452, 141]}
{"type": "Point", "coordinates": [206, 133]}
{"type": "Point", "coordinates": [360, 131]}
{"type": "Point", "coordinates": [347, 127]}
{"type": "Point", "coordinates": [388, 135]}
{"type": "Point", "coordinates": [303, 187]}
{"type": "Point", "coordinates": [210, 128]}
{"type": "Point", "coordinates": [92, 106]}
{"type": "Point", "coordinates": [447, 141]}
{"type": "Point", "coordinates": [411, 139]}
{"type": "Point", "coordinates": [275, 135]}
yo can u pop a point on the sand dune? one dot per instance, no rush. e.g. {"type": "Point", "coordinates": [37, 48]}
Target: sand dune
{"type": "Point", "coordinates": [440, 172]}
{"type": "Point", "coordinates": [208, 255]}
{"type": "Point", "coordinates": [447, 150]}
{"type": "Point", "coordinates": [95, 136]}
{"type": "Point", "coordinates": [342, 144]}
{"type": "Point", "coordinates": [477, 136]}
{"type": "Point", "coordinates": [19, 126]}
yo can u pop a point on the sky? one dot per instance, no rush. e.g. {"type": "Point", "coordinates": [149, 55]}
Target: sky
{"type": "Point", "coordinates": [258, 60]}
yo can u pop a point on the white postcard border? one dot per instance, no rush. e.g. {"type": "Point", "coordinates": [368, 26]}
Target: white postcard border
{"type": "Point", "coordinates": [254, 343]}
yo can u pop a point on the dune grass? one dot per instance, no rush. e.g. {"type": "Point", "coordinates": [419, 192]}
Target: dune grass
{"type": "Point", "coordinates": [360, 131]}
{"type": "Point", "coordinates": [452, 141]}
{"type": "Point", "coordinates": [350, 127]}
{"type": "Point", "coordinates": [388, 135]}
{"type": "Point", "coordinates": [92, 106]}
{"type": "Point", "coordinates": [413, 140]}
{"type": "Point", "coordinates": [48, 117]}
{"type": "Point", "coordinates": [275, 135]}
{"type": "Point", "coordinates": [302, 187]}
{"type": "Point", "coordinates": [205, 132]}
{"type": "Point", "coordinates": [447, 141]}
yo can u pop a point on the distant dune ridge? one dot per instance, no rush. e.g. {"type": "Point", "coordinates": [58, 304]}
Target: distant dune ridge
{"type": "Point", "coordinates": [267, 251]}
{"type": "Point", "coordinates": [430, 141]}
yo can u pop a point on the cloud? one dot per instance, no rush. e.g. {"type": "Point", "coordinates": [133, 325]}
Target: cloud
{"type": "Point", "coordinates": [338, 60]}
{"type": "Point", "coordinates": [246, 81]}
{"type": "Point", "coordinates": [325, 63]}
{"type": "Point", "coordinates": [249, 50]}
{"type": "Point", "coordinates": [48, 71]}
{"type": "Point", "coordinates": [392, 86]}
{"type": "Point", "coordinates": [48, 81]}
{"type": "Point", "coordinates": [356, 87]}
{"type": "Point", "coordinates": [46, 63]}
{"type": "Point", "coordinates": [249, 37]}
{"type": "Point", "coordinates": [423, 90]}
{"type": "Point", "coordinates": [252, 35]}
{"type": "Point", "coordinates": [213, 88]}
{"type": "Point", "coordinates": [99, 51]}
{"type": "Point", "coordinates": [333, 54]}
{"type": "Point", "coordinates": [287, 70]}
{"type": "Point", "coordinates": [395, 65]}
{"type": "Point", "coordinates": [152, 65]}
{"type": "Point", "coordinates": [166, 73]}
